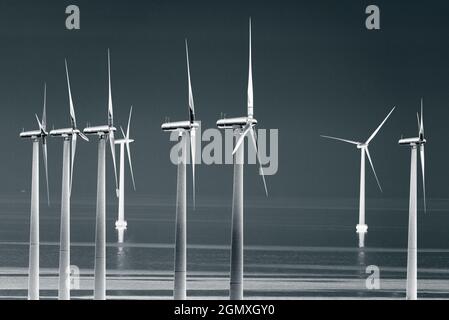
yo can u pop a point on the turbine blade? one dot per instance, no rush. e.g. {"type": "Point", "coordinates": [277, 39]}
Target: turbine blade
{"type": "Point", "coordinates": [74, 139]}
{"type": "Point", "coordinates": [110, 110]}
{"type": "Point", "coordinates": [123, 132]}
{"type": "Point", "coordinates": [241, 138]}
{"type": "Point", "coordinates": [112, 144]}
{"type": "Point", "coordinates": [128, 146]}
{"type": "Point", "coordinates": [191, 103]}
{"type": "Point", "coordinates": [254, 141]}
{"type": "Point", "coordinates": [193, 156]}
{"type": "Point", "coordinates": [83, 136]}
{"type": "Point", "coordinates": [250, 78]}
{"type": "Point", "coordinates": [44, 112]}
{"type": "Point", "coordinates": [423, 163]}
{"type": "Point", "coordinates": [342, 140]}
{"type": "Point", "coordinates": [130, 164]}
{"type": "Point", "coordinates": [38, 122]}
{"type": "Point", "coordinates": [372, 167]}
{"type": "Point", "coordinates": [419, 122]}
{"type": "Point", "coordinates": [129, 122]}
{"type": "Point", "coordinates": [421, 128]}
{"type": "Point", "coordinates": [72, 110]}
{"type": "Point", "coordinates": [44, 152]}
{"type": "Point", "coordinates": [379, 127]}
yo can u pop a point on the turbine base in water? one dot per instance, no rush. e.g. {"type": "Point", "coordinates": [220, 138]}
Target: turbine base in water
{"type": "Point", "coordinates": [120, 226]}
{"type": "Point", "coordinates": [362, 230]}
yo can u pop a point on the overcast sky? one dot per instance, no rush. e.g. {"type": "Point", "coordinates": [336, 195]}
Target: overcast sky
{"type": "Point", "coordinates": [317, 70]}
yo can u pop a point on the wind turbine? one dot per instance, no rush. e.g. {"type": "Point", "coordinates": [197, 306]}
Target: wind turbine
{"type": "Point", "coordinates": [104, 133]}
{"type": "Point", "coordinates": [243, 126]}
{"type": "Point", "coordinates": [362, 227]}
{"type": "Point", "coordinates": [69, 136]}
{"type": "Point", "coordinates": [121, 224]}
{"type": "Point", "coordinates": [412, 265]}
{"type": "Point", "coordinates": [184, 129]}
{"type": "Point", "coordinates": [35, 136]}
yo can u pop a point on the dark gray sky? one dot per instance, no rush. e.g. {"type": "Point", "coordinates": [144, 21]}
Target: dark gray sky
{"type": "Point", "coordinates": [317, 70]}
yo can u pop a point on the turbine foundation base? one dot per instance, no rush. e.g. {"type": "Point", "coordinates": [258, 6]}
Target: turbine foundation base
{"type": "Point", "coordinates": [362, 230]}
{"type": "Point", "coordinates": [120, 225]}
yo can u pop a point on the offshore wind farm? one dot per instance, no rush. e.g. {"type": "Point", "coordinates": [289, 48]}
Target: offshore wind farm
{"type": "Point", "coordinates": [258, 204]}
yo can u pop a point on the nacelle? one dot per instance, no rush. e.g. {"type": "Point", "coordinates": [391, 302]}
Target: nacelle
{"type": "Point", "coordinates": [31, 134]}
{"type": "Point", "coordinates": [63, 132]}
{"type": "Point", "coordinates": [412, 141]}
{"type": "Point", "coordinates": [99, 130]}
{"type": "Point", "coordinates": [180, 125]}
{"type": "Point", "coordinates": [123, 141]}
{"type": "Point", "coordinates": [230, 123]}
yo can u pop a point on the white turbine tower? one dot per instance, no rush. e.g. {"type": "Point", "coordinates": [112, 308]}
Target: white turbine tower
{"type": "Point", "coordinates": [69, 136]}
{"type": "Point", "coordinates": [104, 133]}
{"type": "Point", "coordinates": [362, 227]}
{"type": "Point", "coordinates": [242, 127]}
{"type": "Point", "coordinates": [184, 129]}
{"type": "Point", "coordinates": [412, 255]}
{"type": "Point", "coordinates": [121, 224]}
{"type": "Point", "coordinates": [35, 136]}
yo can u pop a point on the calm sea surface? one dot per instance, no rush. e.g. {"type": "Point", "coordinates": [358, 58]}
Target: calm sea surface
{"type": "Point", "coordinates": [294, 248]}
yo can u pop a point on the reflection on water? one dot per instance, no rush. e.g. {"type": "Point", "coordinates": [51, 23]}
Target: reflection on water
{"type": "Point", "coordinates": [122, 259]}
{"type": "Point", "coordinates": [145, 270]}
{"type": "Point", "coordinates": [120, 235]}
{"type": "Point", "coordinates": [361, 262]}
{"type": "Point", "coordinates": [122, 264]}
{"type": "Point", "coordinates": [362, 236]}
{"type": "Point", "coordinates": [312, 251]}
